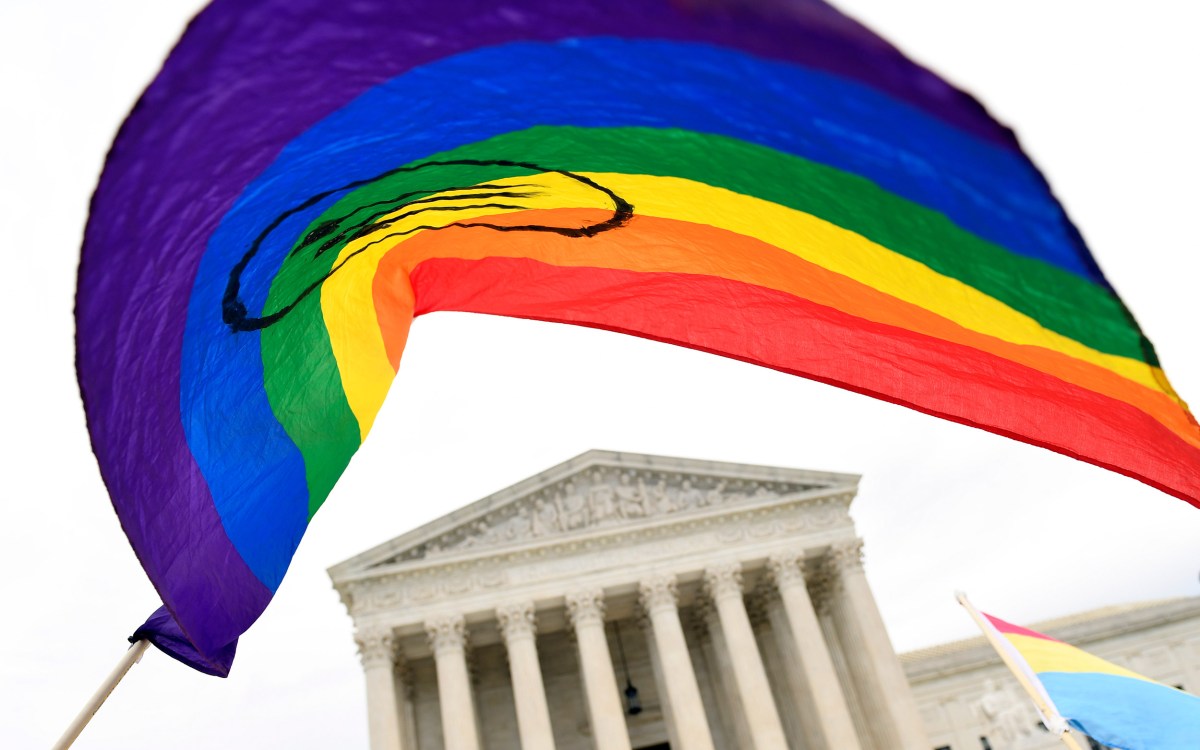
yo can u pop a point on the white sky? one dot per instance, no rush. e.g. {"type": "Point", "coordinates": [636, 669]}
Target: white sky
{"type": "Point", "coordinates": [1102, 97]}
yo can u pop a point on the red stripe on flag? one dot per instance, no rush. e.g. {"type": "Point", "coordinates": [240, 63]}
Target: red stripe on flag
{"type": "Point", "coordinates": [784, 332]}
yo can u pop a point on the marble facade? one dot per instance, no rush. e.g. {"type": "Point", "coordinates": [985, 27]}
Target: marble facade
{"type": "Point", "coordinates": [731, 596]}
{"type": "Point", "coordinates": [966, 695]}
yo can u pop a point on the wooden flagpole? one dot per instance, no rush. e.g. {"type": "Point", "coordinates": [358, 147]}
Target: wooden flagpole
{"type": "Point", "coordinates": [1048, 711]}
{"type": "Point", "coordinates": [131, 657]}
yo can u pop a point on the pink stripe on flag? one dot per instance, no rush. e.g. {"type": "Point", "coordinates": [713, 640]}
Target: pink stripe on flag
{"type": "Point", "coordinates": [1008, 627]}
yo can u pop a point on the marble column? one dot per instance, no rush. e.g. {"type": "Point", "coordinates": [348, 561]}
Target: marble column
{"type": "Point", "coordinates": [880, 680]}
{"type": "Point", "coordinates": [816, 679]}
{"type": "Point", "coordinates": [448, 639]}
{"type": "Point", "coordinates": [406, 692]}
{"type": "Point", "coordinates": [519, 628]}
{"type": "Point", "coordinates": [767, 619]}
{"type": "Point", "coordinates": [723, 584]}
{"type": "Point", "coordinates": [660, 682]}
{"type": "Point", "coordinates": [659, 599]}
{"type": "Point", "coordinates": [720, 665]}
{"type": "Point", "coordinates": [607, 716]}
{"type": "Point", "coordinates": [820, 588]}
{"type": "Point", "coordinates": [377, 650]}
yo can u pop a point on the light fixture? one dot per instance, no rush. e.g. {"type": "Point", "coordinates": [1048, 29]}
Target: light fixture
{"type": "Point", "coordinates": [633, 706]}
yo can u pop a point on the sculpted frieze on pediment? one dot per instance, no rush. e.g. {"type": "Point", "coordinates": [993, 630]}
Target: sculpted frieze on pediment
{"type": "Point", "coordinates": [811, 523]}
{"type": "Point", "coordinates": [598, 498]}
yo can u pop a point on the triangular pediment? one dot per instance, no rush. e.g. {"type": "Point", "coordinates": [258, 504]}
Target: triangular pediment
{"type": "Point", "coordinates": [595, 491]}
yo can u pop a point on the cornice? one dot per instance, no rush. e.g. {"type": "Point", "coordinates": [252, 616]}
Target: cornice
{"type": "Point", "coordinates": [659, 480]}
{"type": "Point", "coordinates": [817, 511]}
{"type": "Point", "coordinates": [812, 524]}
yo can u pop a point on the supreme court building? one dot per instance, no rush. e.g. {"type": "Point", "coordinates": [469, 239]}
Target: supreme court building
{"type": "Point", "coordinates": [731, 597]}
{"type": "Point", "coordinates": [622, 601]}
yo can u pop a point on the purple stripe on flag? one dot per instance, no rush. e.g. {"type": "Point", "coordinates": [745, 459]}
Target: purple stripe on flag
{"type": "Point", "coordinates": [162, 630]}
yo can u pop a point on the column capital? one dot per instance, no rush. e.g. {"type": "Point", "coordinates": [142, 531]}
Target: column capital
{"type": "Point", "coordinates": [786, 568]}
{"type": "Point", "coordinates": [446, 632]}
{"type": "Point", "coordinates": [658, 592]}
{"type": "Point", "coordinates": [404, 675]}
{"type": "Point", "coordinates": [642, 618]}
{"type": "Point", "coordinates": [823, 586]}
{"type": "Point", "coordinates": [377, 647]}
{"type": "Point", "coordinates": [586, 607]}
{"type": "Point", "coordinates": [723, 580]}
{"type": "Point", "coordinates": [516, 620]}
{"type": "Point", "coordinates": [698, 619]}
{"type": "Point", "coordinates": [847, 557]}
{"type": "Point", "coordinates": [758, 602]}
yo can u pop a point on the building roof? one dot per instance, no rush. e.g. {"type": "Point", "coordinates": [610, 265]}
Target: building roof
{"type": "Point", "coordinates": [501, 518]}
{"type": "Point", "coordinates": [1077, 629]}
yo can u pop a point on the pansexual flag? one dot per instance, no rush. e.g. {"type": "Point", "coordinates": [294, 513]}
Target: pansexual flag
{"type": "Point", "coordinates": [1109, 703]}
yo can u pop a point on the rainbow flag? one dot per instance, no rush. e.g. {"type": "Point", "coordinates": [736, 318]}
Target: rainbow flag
{"type": "Point", "coordinates": [1109, 703]}
{"type": "Point", "coordinates": [767, 181]}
